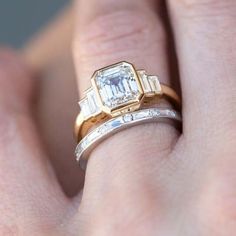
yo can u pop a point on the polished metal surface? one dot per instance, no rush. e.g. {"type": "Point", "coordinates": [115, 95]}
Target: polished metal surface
{"type": "Point", "coordinates": [112, 126]}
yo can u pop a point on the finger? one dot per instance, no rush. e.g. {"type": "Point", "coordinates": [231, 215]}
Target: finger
{"type": "Point", "coordinates": [53, 61]}
{"type": "Point", "coordinates": [205, 33]}
{"type": "Point", "coordinates": [109, 32]}
{"type": "Point", "coordinates": [28, 187]}
{"type": "Point", "coordinates": [117, 30]}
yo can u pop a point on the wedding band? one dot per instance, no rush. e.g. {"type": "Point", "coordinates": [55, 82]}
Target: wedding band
{"type": "Point", "coordinates": [116, 90]}
{"type": "Point", "coordinates": [115, 125]}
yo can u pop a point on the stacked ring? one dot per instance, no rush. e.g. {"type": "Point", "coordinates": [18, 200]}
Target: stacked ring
{"type": "Point", "coordinates": [118, 90]}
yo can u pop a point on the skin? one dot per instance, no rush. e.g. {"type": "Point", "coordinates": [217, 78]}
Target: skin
{"type": "Point", "coordinates": [150, 179]}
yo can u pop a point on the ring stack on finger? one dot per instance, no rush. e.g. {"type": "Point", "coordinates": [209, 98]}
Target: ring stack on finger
{"type": "Point", "coordinates": [120, 97]}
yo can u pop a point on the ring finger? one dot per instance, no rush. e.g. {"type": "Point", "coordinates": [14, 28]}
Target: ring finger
{"type": "Point", "coordinates": [109, 31]}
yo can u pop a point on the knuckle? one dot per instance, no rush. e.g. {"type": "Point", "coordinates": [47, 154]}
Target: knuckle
{"type": "Point", "coordinates": [117, 34]}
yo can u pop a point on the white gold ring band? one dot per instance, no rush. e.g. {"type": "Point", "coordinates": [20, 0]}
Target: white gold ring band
{"type": "Point", "coordinates": [102, 132]}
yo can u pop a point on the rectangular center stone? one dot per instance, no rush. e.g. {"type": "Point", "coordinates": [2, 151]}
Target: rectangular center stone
{"type": "Point", "coordinates": [117, 86]}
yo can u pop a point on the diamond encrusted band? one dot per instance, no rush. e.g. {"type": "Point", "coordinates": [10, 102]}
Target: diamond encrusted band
{"type": "Point", "coordinates": [102, 132]}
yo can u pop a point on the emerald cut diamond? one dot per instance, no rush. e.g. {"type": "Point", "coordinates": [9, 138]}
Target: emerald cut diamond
{"type": "Point", "coordinates": [117, 85]}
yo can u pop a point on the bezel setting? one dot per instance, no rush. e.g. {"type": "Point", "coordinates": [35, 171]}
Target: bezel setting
{"type": "Point", "coordinates": [118, 88]}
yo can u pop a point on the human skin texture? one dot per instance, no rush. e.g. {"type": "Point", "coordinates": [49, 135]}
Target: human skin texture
{"type": "Point", "coordinates": [146, 180]}
{"type": "Point", "coordinates": [56, 106]}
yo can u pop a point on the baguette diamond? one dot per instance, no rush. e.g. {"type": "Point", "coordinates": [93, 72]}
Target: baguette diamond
{"type": "Point", "coordinates": [92, 100]}
{"type": "Point", "coordinates": [89, 105]}
{"type": "Point", "coordinates": [150, 83]}
{"type": "Point", "coordinates": [84, 106]}
{"type": "Point", "coordinates": [154, 83]}
{"type": "Point", "coordinates": [145, 82]}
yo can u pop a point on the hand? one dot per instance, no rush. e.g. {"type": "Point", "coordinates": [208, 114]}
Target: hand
{"type": "Point", "coordinates": [150, 179]}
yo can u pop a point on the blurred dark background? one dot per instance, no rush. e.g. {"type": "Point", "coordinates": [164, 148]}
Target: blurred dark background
{"type": "Point", "coordinates": [19, 19]}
